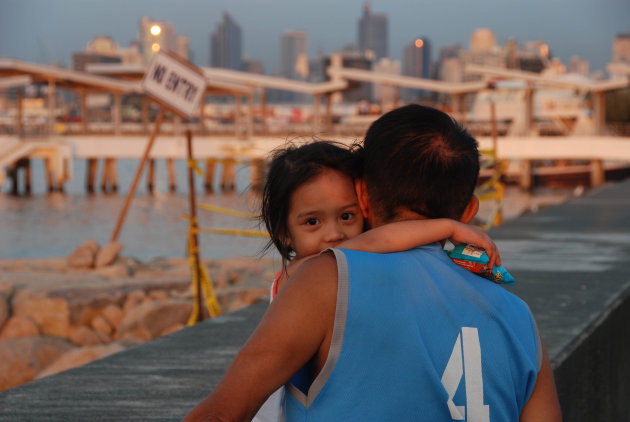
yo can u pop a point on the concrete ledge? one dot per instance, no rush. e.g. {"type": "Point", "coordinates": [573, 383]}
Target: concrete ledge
{"type": "Point", "coordinates": [571, 267]}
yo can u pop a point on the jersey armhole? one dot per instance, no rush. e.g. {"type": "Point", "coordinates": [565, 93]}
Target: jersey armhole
{"type": "Point", "coordinates": [539, 350]}
{"type": "Point", "coordinates": [341, 312]}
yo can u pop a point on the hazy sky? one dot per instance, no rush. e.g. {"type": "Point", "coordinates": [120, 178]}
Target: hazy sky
{"type": "Point", "coordinates": [48, 31]}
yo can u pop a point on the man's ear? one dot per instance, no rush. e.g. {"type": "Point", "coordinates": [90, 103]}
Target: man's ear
{"type": "Point", "coordinates": [362, 196]}
{"type": "Point", "coordinates": [471, 210]}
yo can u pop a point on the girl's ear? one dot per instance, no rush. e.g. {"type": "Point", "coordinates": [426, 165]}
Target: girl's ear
{"type": "Point", "coordinates": [362, 196]}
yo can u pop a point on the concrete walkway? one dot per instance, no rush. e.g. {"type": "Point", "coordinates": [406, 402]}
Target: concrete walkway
{"type": "Point", "coordinates": [571, 266]}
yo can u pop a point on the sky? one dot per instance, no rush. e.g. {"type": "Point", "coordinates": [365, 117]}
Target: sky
{"type": "Point", "coordinates": [49, 31]}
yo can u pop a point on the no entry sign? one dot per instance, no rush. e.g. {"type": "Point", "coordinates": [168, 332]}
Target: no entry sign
{"type": "Point", "coordinates": [175, 83]}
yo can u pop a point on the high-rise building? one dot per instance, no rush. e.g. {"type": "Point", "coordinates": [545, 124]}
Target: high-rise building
{"type": "Point", "coordinates": [155, 36]}
{"type": "Point", "coordinates": [293, 64]}
{"type": "Point", "coordinates": [482, 39]}
{"type": "Point", "coordinates": [533, 56]}
{"type": "Point", "coordinates": [293, 55]}
{"type": "Point", "coordinates": [579, 66]}
{"type": "Point", "coordinates": [226, 45]}
{"type": "Point", "coordinates": [373, 33]}
{"type": "Point", "coordinates": [383, 93]}
{"type": "Point", "coordinates": [252, 66]}
{"type": "Point", "coordinates": [621, 48]}
{"type": "Point", "coordinates": [450, 66]}
{"type": "Point", "coordinates": [101, 49]}
{"type": "Point", "coordinates": [357, 91]}
{"type": "Point", "coordinates": [483, 50]}
{"type": "Point", "coordinates": [417, 63]}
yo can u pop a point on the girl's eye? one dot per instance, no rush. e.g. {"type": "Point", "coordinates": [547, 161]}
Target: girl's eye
{"type": "Point", "coordinates": [312, 221]}
{"type": "Point", "coordinates": [347, 216]}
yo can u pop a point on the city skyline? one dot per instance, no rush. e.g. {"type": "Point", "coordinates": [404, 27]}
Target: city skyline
{"type": "Point", "coordinates": [60, 28]}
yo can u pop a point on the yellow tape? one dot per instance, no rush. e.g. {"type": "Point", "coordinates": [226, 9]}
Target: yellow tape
{"type": "Point", "coordinates": [227, 211]}
{"type": "Point", "coordinates": [193, 165]}
{"type": "Point", "coordinates": [237, 232]}
{"type": "Point", "coordinates": [206, 285]}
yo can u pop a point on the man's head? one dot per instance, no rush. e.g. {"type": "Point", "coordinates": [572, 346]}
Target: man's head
{"type": "Point", "coordinates": [418, 160]}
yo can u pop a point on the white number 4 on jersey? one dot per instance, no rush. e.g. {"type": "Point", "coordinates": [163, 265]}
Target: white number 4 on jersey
{"type": "Point", "coordinates": [466, 346]}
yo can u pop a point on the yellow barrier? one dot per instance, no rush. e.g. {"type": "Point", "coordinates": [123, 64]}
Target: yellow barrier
{"type": "Point", "coordinates": [206, 284]}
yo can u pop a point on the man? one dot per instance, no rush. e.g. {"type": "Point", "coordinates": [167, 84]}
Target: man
{"type": "Point", "coordinates": [403, 336]}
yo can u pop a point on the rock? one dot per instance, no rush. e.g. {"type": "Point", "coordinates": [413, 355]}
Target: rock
{"type": "Point", "coordinates": [92, 246]}
{"type": "Point", "coordinates": [100, 324]}
{"type": "Point", "coordinates": [149, 319]}
{"type": "Point", "coordinates": [21, 359]}
{"type": "Point", "coordinates": [113, 271]}
{"type": "Point", "coordinates": [52, 315]}
{"type": "Point", "coordinates": [107, 254]}
{"type": "Point", "coordinates": [133, 299]}
{"type": "Point", "coordinates": [83, 336]}
{"type": "Point", "coordinates": [79, 357]}
{"type": "Point", "coordinates": [5, 288]}
{"type": "Point", "coordinates": [234, 277]}
{"type": "Point", "coordinates": [86, 303]}
{"type": "Point", "coordinates": [81, 258]}
{"type": "Point", "coordinates": [104, 338]}
{"type": "Point", "coordinates": [18, 326]}
{"type": "Point", "coordinates": [182, 294]}
{"type": "Point", "coordinates": [113, 315]}
{"type": "Point", "coordinates": [158, 295]}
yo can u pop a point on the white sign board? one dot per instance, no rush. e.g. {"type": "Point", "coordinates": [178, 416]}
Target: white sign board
{"type": "Point", "coordinates": [175, 83]}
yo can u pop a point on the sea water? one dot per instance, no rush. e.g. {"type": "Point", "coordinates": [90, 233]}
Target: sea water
{"type": "Point", "coordinates": [53, 224]}
{"type": "Point", "coordinates": [43, 225]}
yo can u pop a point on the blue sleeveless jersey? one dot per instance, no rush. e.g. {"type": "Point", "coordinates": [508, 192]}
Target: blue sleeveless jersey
{"type": "Point", "coordinates": [418, 338]}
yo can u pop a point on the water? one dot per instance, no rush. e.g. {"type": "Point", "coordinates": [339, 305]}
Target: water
{"type": "Point", "coordinates": [52, 225]}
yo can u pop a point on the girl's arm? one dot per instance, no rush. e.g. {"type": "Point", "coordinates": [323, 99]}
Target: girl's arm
{"type": "Point", "coordinates": [403, 235]}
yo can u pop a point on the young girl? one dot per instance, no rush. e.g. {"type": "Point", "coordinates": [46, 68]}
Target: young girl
{"type": "Point", "coordinates": [309, 204]}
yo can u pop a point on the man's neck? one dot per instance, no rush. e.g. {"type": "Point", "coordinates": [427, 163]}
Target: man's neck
{"type": "Point", "coordinates": [403, 214]}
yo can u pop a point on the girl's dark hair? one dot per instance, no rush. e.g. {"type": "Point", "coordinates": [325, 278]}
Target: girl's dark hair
{"type": "Point", "coordinates": [289, 168]}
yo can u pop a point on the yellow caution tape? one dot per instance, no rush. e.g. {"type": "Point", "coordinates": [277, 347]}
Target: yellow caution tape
{"type": "Point", "coordinates": [193, 165]}
{"type": "Point", "coordinates": [237, 232]}
{"type": "Point", "coordinates": [227, 211]}
{"type": "Point", "coordinates": [199, 270]}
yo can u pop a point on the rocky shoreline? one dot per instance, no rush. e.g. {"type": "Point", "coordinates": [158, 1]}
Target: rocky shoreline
{"type": "Point", "coordinates": [54, 317]}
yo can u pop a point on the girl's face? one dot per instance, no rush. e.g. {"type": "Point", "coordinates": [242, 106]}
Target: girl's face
{"type": "Point", "coordinates": [324, 212]}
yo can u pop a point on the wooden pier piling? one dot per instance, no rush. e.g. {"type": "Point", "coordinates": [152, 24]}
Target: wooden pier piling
{"type": "Point", "coordinates": [209, 177]}
{"type": "Point", "coordinates": [91, 170]}
{"type": "Point", "coordinates": [228, 175]}
{"type": "Point", "coordinates": [23, 164]}
{"type": "Point", "coordinates": [172, 181]}
{"type": "Point", "coordinates": [151, 175]}
{"type": "Point", "coordinates": [109, 180]}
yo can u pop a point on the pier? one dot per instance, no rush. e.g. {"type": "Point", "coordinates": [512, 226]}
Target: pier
{"type": "Point", "coordinates": [600, 155]}
{"type": "Point", "coordinates": [251, 136]}
{"type": "Point", "coordinates": [570, 265]}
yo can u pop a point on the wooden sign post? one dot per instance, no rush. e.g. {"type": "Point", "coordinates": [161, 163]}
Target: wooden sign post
{"type": "Point", "coordinates": [178, 86]}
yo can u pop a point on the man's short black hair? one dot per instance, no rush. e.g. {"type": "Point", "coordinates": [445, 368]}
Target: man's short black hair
{"type": "Point", "coordinates": [419, 158]}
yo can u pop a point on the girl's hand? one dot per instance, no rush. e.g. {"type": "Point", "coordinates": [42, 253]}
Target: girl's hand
{"type": "Point", "coordinates": [467, 233]}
